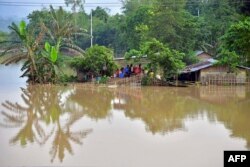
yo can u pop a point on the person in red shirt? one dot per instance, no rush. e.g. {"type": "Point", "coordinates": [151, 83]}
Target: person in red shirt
{"type": "Point", "coordinates": [136, 70]}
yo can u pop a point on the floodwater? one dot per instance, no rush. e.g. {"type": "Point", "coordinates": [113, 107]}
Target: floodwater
{"type": "Point", "coordinates": [79, 125]}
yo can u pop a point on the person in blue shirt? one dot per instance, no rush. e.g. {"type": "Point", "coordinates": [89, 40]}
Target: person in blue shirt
{"type": "Point", "coordinates": [127, 73]}
{"type": "Point", "coordinates": [122, 73]}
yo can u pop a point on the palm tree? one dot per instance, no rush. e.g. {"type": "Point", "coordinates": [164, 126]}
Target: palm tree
{"type": "Point", "coordinates": [24, 48]}
{"type": "Point", "coordinates": [61, 30]}
{"type": "Point", "coordinates": [38, 65]}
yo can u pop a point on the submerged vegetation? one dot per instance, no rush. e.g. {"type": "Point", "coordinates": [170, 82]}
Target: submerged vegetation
{"type": "Point", "coordinates": [165, 31]}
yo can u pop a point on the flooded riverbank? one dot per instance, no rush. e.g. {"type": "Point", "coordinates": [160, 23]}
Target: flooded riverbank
{"type": "Point", "coordinates": [78, 125]}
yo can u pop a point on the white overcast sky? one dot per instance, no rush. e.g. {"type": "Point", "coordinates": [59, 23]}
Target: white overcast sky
{"type": "Point", "coordinates": [14, 8]}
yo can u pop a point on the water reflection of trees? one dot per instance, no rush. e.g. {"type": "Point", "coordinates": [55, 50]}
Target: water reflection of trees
{"type": "Point", "coordinates": [231, 106]}
{"type": "Point", "coordinates": [41, 118]}
{"type": "Point", "coordinates": [95, 101]}
{"type": "Point", "coordinates": [227, 104]}
{"type": "Point", "coordinates": [164, 110]}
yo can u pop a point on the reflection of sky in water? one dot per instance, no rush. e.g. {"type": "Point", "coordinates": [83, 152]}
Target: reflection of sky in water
{"type": "Point", "coordinates": [11, 75]}
{"type": "Point", "coordinates": [10, 82]}
{"type": "Point", "coordinates": [148, 126]}
{"type": "Point", "coordinates": [118, 101]}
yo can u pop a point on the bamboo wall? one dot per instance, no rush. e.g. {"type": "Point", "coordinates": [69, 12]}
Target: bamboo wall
{"type": "Point", "coordinates": [218, 75]}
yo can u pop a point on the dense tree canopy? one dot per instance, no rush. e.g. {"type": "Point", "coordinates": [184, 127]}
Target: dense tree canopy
{"type": "Point", "coordinates": [237, 39]}
{"type": "Point", "coordinates": [179, 28]}
{"type": "Point", "coordinates": [161, 58]}
{"type": "Point", "coordinates": [185, 25]}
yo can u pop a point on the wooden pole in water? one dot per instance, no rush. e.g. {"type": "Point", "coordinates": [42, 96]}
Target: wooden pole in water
{"type": "Point", "coordinates": [177, 79]}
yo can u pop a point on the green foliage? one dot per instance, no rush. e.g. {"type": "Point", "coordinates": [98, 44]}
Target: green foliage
{"type": "Point", "coordinates": [100, 13]}
{"type": "Point", "coordinates": [67, 78]}
{"type": "Point", "coordinates": [190, 58]}
{"type": "Point", "coordinates": [40, 64]}
{"type": "Point", "coordinates": [215, 18]}
{"type": "Point", "coordinates": [24, 48]}
{"type": "Point", "coordinates": [179, 27]}
{"type": "Point", "coordinates": [237, 40]}
{"type": "Point", "coordinates": [176, 23]}
{"type": "Point", "coordinates": [47, 46]}
{"type": "Point", "coordinates": [130, 6]}
{"type": "Point", "coordinates": [133, 54]}
{"type": "Point", "coordinates": [48, 67]}
{"type": "Point", "coordinates": [52, 51]}
{"type": "Point", "coordinates": [22, 28]}
{"type": "Point", "coordinates": [103, 80]}
{"type": "Point", "coordinates": [37, 17]}
{"type": "Point", "coordinates": [95, 60]}
{"type": "Point", "coordinates": [58, 25]}
{"type": "Point", "coordinates": [112, 34]}
{"type": "Point", "coordinates": [161, 58]}
{"type": "Point", "coordinates": [229, 59]}
{"type": "Point", "coordinates": [174, 26]}
{"type": "Point", "coordinates": [53, 54]}
{"type": "Point", "coordinates": [137, 26]}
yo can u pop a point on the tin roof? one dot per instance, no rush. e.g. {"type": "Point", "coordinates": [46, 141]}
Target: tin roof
{"type": "Point", "coordinates": [198, 52]}
{"type": "Point", "coordinates": [247, 68]}
{"type": "Point", "coordinates": [203, 65]}
{"type": "Point", "coordinates": [199, 66]}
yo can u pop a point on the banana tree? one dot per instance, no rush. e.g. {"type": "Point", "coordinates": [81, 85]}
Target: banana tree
{"type": "Point", "coordinates": [47, 63]}
{"type": "Point", "coordinates": [25, 48]}
{"type": "Point", "coordinates": [40, 64]}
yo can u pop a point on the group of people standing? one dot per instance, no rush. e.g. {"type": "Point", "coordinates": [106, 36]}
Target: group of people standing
{"type": "Point", "coordinates": [128, 71]}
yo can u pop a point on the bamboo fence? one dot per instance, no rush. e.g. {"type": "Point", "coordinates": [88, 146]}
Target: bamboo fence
{"type": "Point", "coordinates": [225, 80]}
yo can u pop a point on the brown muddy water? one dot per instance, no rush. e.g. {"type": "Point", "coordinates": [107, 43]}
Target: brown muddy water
{"type": "Point", "coordinates": [79, 125]}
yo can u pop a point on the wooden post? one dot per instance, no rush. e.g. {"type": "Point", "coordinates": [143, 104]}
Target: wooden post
{"type": "Point", "coordinates": [176, 80]}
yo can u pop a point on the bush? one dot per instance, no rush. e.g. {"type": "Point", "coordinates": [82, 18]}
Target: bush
{"type": "Point", "coordinates": [94, 61]}
{"type": "Point", "coordinates": [66, 78]}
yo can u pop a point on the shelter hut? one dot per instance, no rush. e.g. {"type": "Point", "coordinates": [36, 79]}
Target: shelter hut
{"type": "Point", "coordinates": [207, 71]}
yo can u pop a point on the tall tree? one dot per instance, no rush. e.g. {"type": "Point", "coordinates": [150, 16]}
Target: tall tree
{"type": "Point", "coordinates": [137, 26]}
{"type": "Point", "coordinates": [24, 48]}
{"type": "Point", "coordinates": [62, 30]}
{"type": "Point", "coordinates": [215, 18]}
{"type": "Point", "coordinates": [173, 25]}
{"type": "Point", "coordinates": [100, 13]}
{"type": "Point", "coordinates": [237, 40]}
{"type": "Point", "coordinates": [130, 6]}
